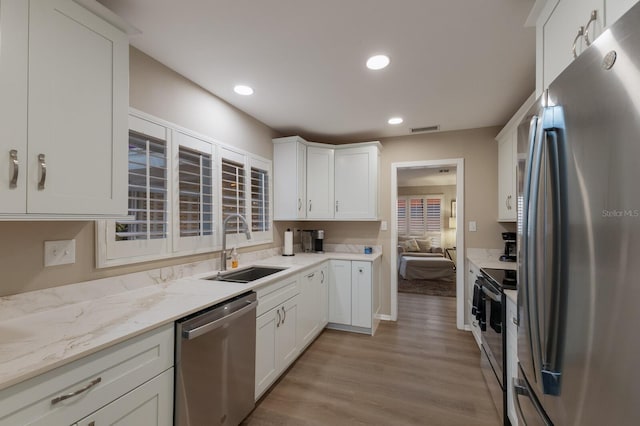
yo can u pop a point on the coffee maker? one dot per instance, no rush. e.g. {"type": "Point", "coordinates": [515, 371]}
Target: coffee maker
{"type": "Point", "coordinates": [509, 239]}
{"type": "Point", "coordinates": [312, 240]}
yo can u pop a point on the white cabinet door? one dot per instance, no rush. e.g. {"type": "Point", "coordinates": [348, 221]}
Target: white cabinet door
{"type": "Point", "coordinates": [559, 32]}
{"type": "Point", "coordinates": [324, 296]}
{"type": "Point", "coordinates": [14, 36]}
{"type": "Point", "coordinates": [289, 178]}
{"type": "Point", "coordinates": [77, 111]}
{"type": "Point", "coordinates": [340, 291]}
{"type": "Point", "coordinates": [614, 9]}
{"type": "Point", "coordinates": [320, 181]}
{"type": "Point", "coordinates": [266, 341]}
{"type": "Point", "coordinates": [309, 316]}
{"type": "Point", "coordinates": [356, 174]}
{"type": "Point", "coordinates": [287, 348]}
{"type": "Point", "coordinates": [361, 294]}
{"type": "Point", "coordinates": [150, 404]}
{"type": "Point", "coordinates": [507, 177]}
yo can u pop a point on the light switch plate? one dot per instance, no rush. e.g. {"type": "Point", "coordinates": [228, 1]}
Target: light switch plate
{"type": "Point", "coordinates": [472, 226]}
{"type": "Point", "coordinates": [59, 252]}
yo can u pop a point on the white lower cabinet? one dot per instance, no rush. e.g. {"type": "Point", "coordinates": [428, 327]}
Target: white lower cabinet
{"type": "Point", "coordinates": [132, 379]}
{"type": "Point", "coordinates": [512, 358]}
{"type": "Point", "coordinates": [150, 404]}
{"type": "Point", "coordinates": [353, 295]}
{"type": "Point", "coordinates": [276, 332]}
{"type": "Point", "coordinates": [314, 299]}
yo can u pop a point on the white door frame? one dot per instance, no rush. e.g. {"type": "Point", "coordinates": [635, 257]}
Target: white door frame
{"type": "Point", "coordinates": [458, 163]}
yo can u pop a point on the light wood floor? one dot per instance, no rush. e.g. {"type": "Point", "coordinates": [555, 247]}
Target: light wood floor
{"type": "Point", "coordinates": [418, 371]}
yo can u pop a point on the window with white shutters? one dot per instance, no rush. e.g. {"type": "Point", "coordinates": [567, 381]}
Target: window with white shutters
{"type": "Point", "coordinates": [420, 216]}
{"type": "Point", "coordinates": [147, 190]}
{"type": "Point", "coordinates": [260, 220]}
{"type": "Point", "coordinates": [233, 195]}
{"type": "Point", "coordinates": [181, 187]}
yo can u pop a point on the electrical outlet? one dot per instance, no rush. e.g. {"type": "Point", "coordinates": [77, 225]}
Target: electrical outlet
{"type": "Point", "coordinates": [59, 252]}
{"type": "Point", "coordinates": [472, 226]}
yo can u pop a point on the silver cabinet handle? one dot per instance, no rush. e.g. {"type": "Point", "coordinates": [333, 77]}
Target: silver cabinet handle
{"type": "Point", "coordinates": [337, 204]}
{"type": "Point", "coordinates": [515, 320]}
{"type": "Point", "coordinates": [592, 19]}
{"type": "Point", "coordinates": [76, 392]}
{"type": "Point", "coordinates": [299, 204]}
{"type": "Point", "coordinates": [279, 318]}
{"type": "Point", "coordinates": [475, 323]}
{"type": "Point", "coordinates": [506, 202]}
{"type": "Point", "coordinates": [322, 275]}
{"type": "Point", "coordinates": [575, 41]}
{"type": "Point", "coordinates": [311, 275]}
{"type": "Point", "coordinates": [13, 157]}
{"type": "Point", "coordinates": [284, 315]}
{"type": "Point", "coordinates": [309, 205]}
{"type": "Point", "coordinates": [43, 171]}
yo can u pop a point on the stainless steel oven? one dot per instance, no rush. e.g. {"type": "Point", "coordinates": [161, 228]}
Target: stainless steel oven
{"type": "Point", "coordinates": [490, 312]}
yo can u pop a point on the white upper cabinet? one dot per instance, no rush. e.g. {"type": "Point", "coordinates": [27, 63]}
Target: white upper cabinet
{"type": "Point", "coordinates": [507, 177]}
{"type": "Point", "coordinates": [64, 105]}
{"type": "Point", "coordinates": [561, 29]}
{"type": "Point", "coordinates": [320, 181]}
{"type": "Point", "coordinates": [565, 26]}
{"type": "Point", "coordinates": [289, 176]}
{"type": "Point", "coordinates": [614, 9]}
{"type": "Point", "coordinates": [325, 182]}
{"type": "Point", "coordinates": [356, 183]}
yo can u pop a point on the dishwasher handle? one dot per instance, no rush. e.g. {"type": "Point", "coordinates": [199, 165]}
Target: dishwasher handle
{"type": "Point", "coordinates": [199, 331]}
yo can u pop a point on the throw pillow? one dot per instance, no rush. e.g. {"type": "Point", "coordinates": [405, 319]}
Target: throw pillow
{"type": "Point", "coordinates": [424, 245]}
{"type": "Point", "coordinates": [412, 246]}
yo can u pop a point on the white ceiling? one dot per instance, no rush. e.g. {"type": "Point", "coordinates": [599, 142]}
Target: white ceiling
{"type": "Point", "coordinates": [426, 176]}
{"type": "Point", "coordinates": [457, 63]}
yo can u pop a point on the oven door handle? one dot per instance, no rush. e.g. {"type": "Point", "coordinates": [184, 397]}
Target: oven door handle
{"type": "Point", "coordinates": [491, 295]}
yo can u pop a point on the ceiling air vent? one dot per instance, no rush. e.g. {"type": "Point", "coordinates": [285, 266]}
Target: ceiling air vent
{"type": "Point", "coordinates": [425, 129]}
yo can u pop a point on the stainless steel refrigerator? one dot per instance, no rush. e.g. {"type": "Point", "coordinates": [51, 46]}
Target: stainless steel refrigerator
{"type": "Point", "coordinates": [579, 240]}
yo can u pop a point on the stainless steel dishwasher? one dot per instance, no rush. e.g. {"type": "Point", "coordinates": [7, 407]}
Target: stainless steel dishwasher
{"type": "Point", "coordinates": [215, 364]}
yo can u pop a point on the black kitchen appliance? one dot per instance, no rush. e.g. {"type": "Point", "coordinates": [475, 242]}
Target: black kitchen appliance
{"type": "Point", "coordinates": [510, 247]}
{"type": "Point", "coordinates": [489, 309]}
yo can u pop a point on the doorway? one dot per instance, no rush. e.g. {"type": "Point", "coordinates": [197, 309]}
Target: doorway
{"type": "Point", "coordinates": [451, 218]}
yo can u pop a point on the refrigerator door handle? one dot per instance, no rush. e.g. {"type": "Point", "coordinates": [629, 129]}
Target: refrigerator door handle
{"type": "Point", "coordinates": [555, 274]}
{"type": "Point", "coordinates": [531, 246]}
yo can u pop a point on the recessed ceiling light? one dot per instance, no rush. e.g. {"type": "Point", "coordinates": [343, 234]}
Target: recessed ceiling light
{"type": "Point", "coordinates": [395, 120]}
{"type": "Point", "coordinates": [377, 62]}
{"type": "Point", "coordinates": [241, 89]}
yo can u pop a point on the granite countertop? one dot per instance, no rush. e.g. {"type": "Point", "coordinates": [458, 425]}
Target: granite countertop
{"type": "Point", "coordinates": [45, 329]}
{"type": "Point", "coordinates": [489, 258]}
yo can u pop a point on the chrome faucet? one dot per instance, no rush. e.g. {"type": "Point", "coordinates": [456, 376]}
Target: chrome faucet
{"type": "Point", "coordinates": [223, 254]}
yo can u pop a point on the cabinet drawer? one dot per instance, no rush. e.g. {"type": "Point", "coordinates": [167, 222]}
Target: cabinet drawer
{"type": "Point", "coordinates": [120, 369]}
{"type": "Point", "coordinates": [272, 295]}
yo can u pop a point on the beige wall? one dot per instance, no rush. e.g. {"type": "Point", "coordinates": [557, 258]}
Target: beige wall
{"type": "Point", "coordinates": [479, 150]}
{"type": "Point", "coordinates": [159, 91]}
{"type": "Point", "coordinates": [448, 193]}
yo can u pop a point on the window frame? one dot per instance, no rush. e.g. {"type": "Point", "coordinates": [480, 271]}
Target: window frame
{"type": "Point", "coordinates": [111, 253]}
{"type": "Point", "coordinates": [406, 232]}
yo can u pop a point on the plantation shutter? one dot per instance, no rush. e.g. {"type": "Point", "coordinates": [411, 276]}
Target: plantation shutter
{"type": "Point", "coordinates": [233, 194]}
{"type": "Point", "coordinates": [402, 216]}
{"type": "Point", "coordinates": [416, 216]}
{"type": "Point", "coordinates": [434, 220]}
{"type": "Point", "coordinates": [195, 193]}
{"type": "Point", "coordinates": [147, 190]}
{"type": "Point", "coordinates": [260, 220]}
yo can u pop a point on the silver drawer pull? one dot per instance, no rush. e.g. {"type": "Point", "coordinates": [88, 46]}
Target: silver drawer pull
{"type": "Point", "coordinates": [593, 18]}
{"type": "Point", "coordinates": [575, 41]}
{"type": "Point", "coordinates": [13, 155]}
{"type": "Point", "coordinates": [284, 315]}
{"type": "Point", "coordinates": [76, 392]}
{"type": "Point", "coordinates": [43, 171]}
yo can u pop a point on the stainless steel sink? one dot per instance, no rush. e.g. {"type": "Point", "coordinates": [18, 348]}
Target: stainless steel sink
{"type": "Point", "coordinates": [245, 275]}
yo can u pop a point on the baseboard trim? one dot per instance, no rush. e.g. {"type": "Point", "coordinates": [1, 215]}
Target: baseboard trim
{"type": "Point", "coordinates": [384, 317]}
